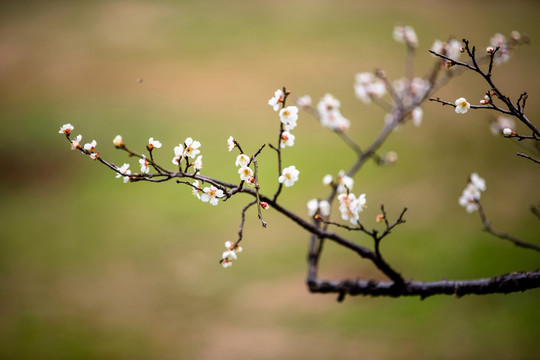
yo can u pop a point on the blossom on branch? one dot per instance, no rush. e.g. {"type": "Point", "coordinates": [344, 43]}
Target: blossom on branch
{"type": "Point", "coordinates": [288, 117]}
{"type": "Point", "coordinates": [330, 115]}
{"type": "Point", "coordinates": [242, 160]}
{"type": "Point", "coordinates": [498, 125]}
{"type": "Point", "coordinates": [462, 106]}
{"type": "Point", "coordinates": [153, 144]}
{"type": "Point", "coordinates": [90, 146]}
{"type": "Point", "coordinates": [315, 206]}
{"type": "Point", "coordinates": [278, 98]}
{"type": "Point", "coordinates": [197, 164]}
{"type": "Point", "coordinates": [124, 170]}
{"type": "Point", "coordinates": [118, 141]}
{"type": "Point", "coordinates": [366, 87]}
{"type": "Point", "coordinates": [245, 173]}
{"type": "Point", "coordinates": [350, 206]}
{"type": "Point", "coordinates": [405, 34]}
{"type": "Point", "coordinates": [76, 143]}
{"type": "Point", "coordinates": [287, 139]}
{"type": "Point", "coordinates": [145, 169]}
{"type": "Point", "coordinates": [191, 148]}
{"type": "Point", "coordinates": [66, 129]}
{"type": "Point", "coordinates": [345, 183]}
{"type": "Point", "coordinates": [304, 101]}
{"type": "Point", "coordinates": [178, 154]}
{"type": "Point", "coordinates": [211, 194]}
{"type": "Point", "coordinates": [196, 189]}
{"type": "Point", "coordinates": [231, 143]}
{"type": "Point", "coordinates": [289, 176]}
{"type": "Point", "coordinates": [471, 195]}
{"type": "Point", "coordinates": [451, 49]}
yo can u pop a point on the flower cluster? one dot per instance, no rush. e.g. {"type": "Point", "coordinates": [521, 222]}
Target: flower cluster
{"type": "Point", "coordinates": [245, 172]}
{"type": "Point", "coordinates": [470, 196]}
{"type": "Point", "coordinates": [189, 149]}
{"type": "Point", "coordinates": [451, 49]}
{"type": "Point", "coordinates": [277, 100]}
{"type": "Point", "coordinates": [367, 87]}
{"type": "Point", "coordinates": [406, 35]}
{"type": "Point", "coordinates": [330, 115]}
{"type": "Point", "coordinates": [230, 254]}
{"type": "Point", "coordinates": [351, 206]}
{"type": "Point", "coordinates": [211, 194]}
{"type": "Point", "coordinates": [315, 207]}
{"type": "Point", "coordinates": [411, 92]}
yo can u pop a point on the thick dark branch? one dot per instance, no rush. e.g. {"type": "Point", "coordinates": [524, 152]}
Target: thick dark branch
{"type": "Point", "coordinates": [504, 284]}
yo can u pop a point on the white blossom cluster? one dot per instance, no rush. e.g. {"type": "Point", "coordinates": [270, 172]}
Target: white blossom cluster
{"type": "Point", "coordinates": [500, 41]}
{"type": "Point", "coordinates": [367, 86]}
{"type": "Point", "coordinates": [330, 115]}
{"type": "Point", "coordinates": [406, 35]}
{"type": "Point", "coordinates": [470, 196]}
{"type": "Point", "coordinates": [230, 254]}
{"type": "Point", "coordinates": [189, 149]}
{"type": "Point", "coordinates": [451, 49]}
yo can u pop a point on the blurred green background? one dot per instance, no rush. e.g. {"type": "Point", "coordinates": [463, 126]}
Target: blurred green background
{"type": "Point", "coordinates": [91, 268]}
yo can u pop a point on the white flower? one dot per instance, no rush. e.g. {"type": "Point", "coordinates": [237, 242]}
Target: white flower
{"type": "Point", "coordinates": [230, 143]}
{"type": "Point", "coordinates": [178, 154]}
{"type": "Point", "coordinates": [312, 206]}
{"type": "Point", "coordinates": [124, 170]}
{"type": "Point", "coordinates": [191, 148]}
{"type": "Point", "coordinates": [229, 255]}
{"type": "Point", "coordinates": [288, 117]}
{"type": "Point", "coordinates": [327, 179]}
{"type": "Point", "coordinates": [196, 190]}
{"type": "Point", "coordinates": [76, 143]}
{"type": "Point", "coordinates": [242, 160]}
{"type": "Point", "coordinates": [287, 139]}
{"type": "Point", "coordinates": [451, 49]}
{"type": "Point", "coordinates": [304, 101]}
{"type": "Point", "coordinates": [329, 114]}
{"type": "Point", "coordinates": [197, 164]}
{"type": "Point", "coordinates": [230, 246]}
{"type": "Point", "coordinates": [94, 155]}
{"type": "Point", "coordinates": [145, 169]}
{"type": "Point", "coordinates": [118, 141]}
{"type": "Point", "coordinates": [470, 196]}
{"type": "Point", "coordinates": [416, 115]}
{"type": "Point", "coordinates": [153, 144]}
{"type": "Point", "coordinates": [277, 99]}
{"type": "Point", "coordinates": [350, 206]}
{"type": "Point", "coordinates": [478, 182]}
{"type": "Point", "coordinates": [90, 146]}
{"type": "Point", "coordinates": [245, 173]}
{"type": "Point", "coordinates": [289, 176]}
{"type": "Point", "coordinates": [211, 194]}
{"type": "Point", "coordinates": [66, 129]}
{"type": "Point", "coordinates": [391, 157]}
{"type": "Point", "coordinates": [405, 34]}
{"type": "Point", "coordinates": [345, 183]}
{"type": "Point", "coordinates": [502, 122]}
{"type": "Point", "coordinates": [462, 106]}
{"type": "Point", "coordinates": [322, 207]}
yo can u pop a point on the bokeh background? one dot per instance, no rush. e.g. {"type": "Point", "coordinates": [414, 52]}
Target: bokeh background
{"type": "Point", "coordinates": [91, 268]}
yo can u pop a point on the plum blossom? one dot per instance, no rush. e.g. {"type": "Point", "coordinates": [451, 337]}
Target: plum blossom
{"type": "Point", "coordinates": [178, 154]}
{"type": "Point", "coordinates": [153, 144]}
{"type": "Point", "coordinates": [76, 143]}
{"type": "Point", "coordinates": [462, 106]}
{"type": "Point", "coordinates": [411, 91]}
{"type": "Point", "coordinates": [245, 173]}
{"type": "Point", "coordinates": [231, 143]}
{"type": "Point", "coordinates": [278, 98]}
{"type": "Point", "coordinates": [328, 179]}
{"type": "Point", "coordinates": [242, 160]}
{"type": "Point", "coordinates": [350, 206]}
{"type": "Point", "coordinates": [288, 117]}
{"type": "Point", "coordinates": [304, 101]}
{"type": "Point", "coordinates": [405, 34]}
{"type": "Point", "coordinates": [196, 189]}
{"type": "Point", "coordinates": [197, 164]}
{"type": "Point", "coordinates": [508, 132]}
{"type": "Point", "coordinates": [315, 206]}
{"type": "Point", "coordinates": [451, 49]}
{"type": "Point", "coordinates": [471, 195]}
{"type": "Point", "coordinates": [289, 176]}
{"type": "Point", "coordinates": [124, 170]}
{"type": "Point", "coordinates": [367, 86]}
{"type": "Point", "coordinates": [94, 155]}
{"type": "Point", "coordinates": [503, 54]}
{"type": "Point", "coordinates": [118, 141]}
{"type": "Point", "coordinates": [191, 148]}
{"type": "Point", "coordinates": [66, 129]}
{"type": "Point", "coordinates": [345, 183]}
{"type": "Point", "coordinates": [330, 115]}
{"type": "Point", "coordinates": [287, 139]}
{"type": "Point", "coordinates": [501, 123]}
{"type": "Point", "coordinates": [90, 146]}
{"type": "Point", "coordinates": [145, 168]}
{"type": "Point", "coordinates": [211, 194]}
